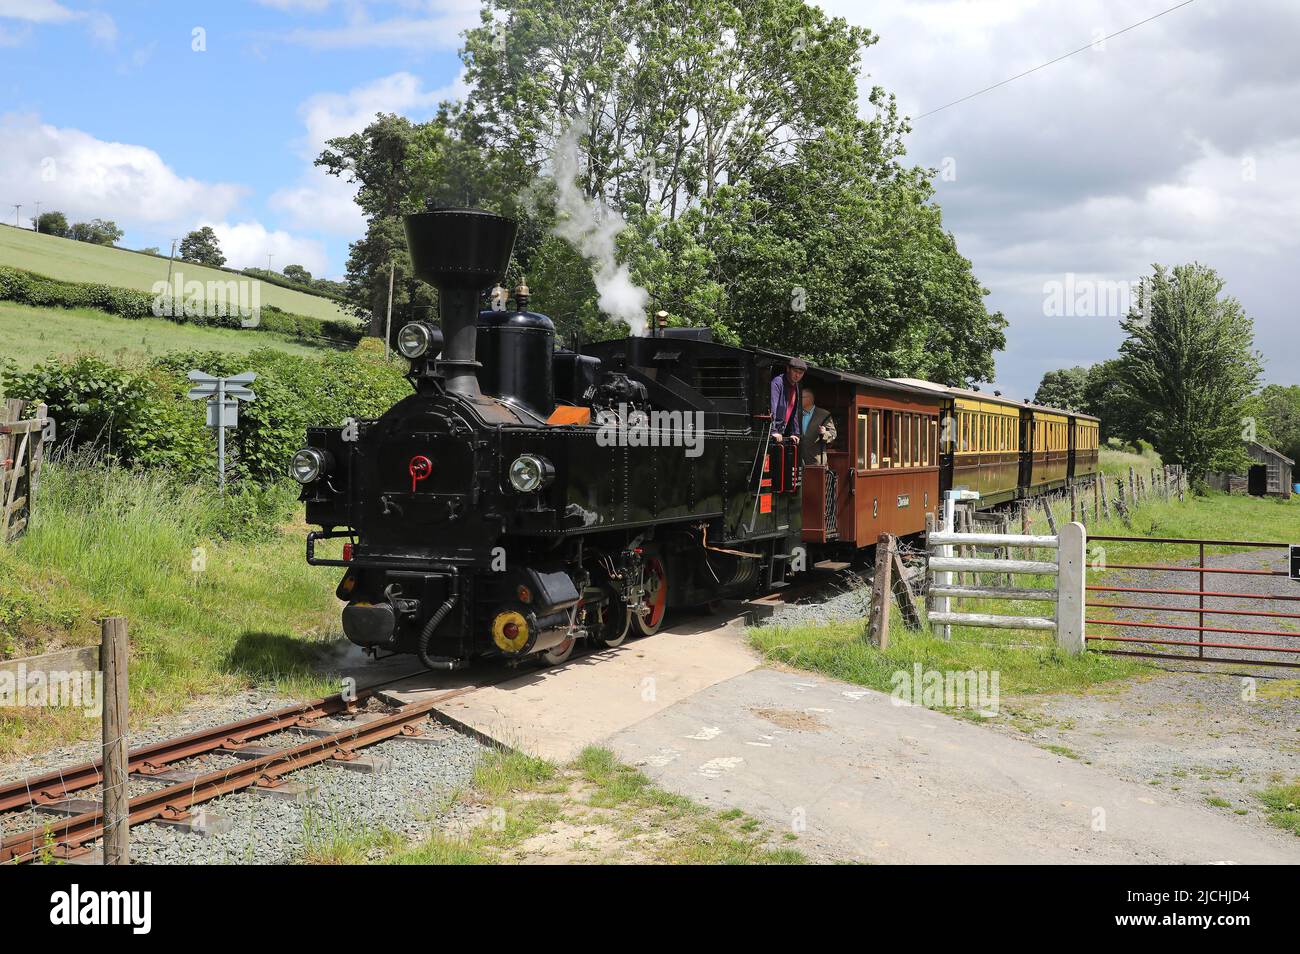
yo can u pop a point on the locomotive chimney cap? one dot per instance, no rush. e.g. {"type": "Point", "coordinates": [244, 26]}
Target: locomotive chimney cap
{"type": "Point", "coordinates": [460, 248]}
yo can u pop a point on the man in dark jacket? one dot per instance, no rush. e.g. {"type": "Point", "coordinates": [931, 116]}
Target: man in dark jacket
{"type": "Point", "coordinates": [818, 429]}
{"type": "Point", "coordinates": [786, 419]}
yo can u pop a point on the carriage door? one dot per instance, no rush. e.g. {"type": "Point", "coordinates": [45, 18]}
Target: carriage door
{"type": "Point", "coordinates": [1026, 450]}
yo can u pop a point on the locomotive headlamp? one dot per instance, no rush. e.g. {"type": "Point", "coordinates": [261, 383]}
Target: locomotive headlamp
{"type": "Point", "coordinates": [529, 473]}
{"type": "Point", "coordinates": [413, 340]}
{"type": "Point", "coordinates": [308, 464]}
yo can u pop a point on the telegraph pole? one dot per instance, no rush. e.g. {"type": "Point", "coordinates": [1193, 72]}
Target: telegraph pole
{"type": "Point", "coordinates": [169, 267]}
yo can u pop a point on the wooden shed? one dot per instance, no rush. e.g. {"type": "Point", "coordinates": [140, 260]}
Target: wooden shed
{"type": "Point", "coordinates": [1270, 473]}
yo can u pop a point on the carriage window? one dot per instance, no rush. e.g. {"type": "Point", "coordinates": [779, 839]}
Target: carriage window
{"type": "Point", "coordinates": [875, 439]}
{"type": "Point", "coordinates": [863, 431]}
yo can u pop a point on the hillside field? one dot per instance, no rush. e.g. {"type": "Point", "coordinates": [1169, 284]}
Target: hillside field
{"type": "Point", "coordinates": [72, 261]}
{"type": "Point", "coordinates": [30, 335]}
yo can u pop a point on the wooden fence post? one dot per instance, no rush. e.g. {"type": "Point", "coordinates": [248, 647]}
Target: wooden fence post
{"type": "Point", "coordinates": [1071, 578]}
{"type": "Point", "coordinates": [878, 630]}
{"type": "Point", "coordinates": [113, 657]}
{"type": "Point", "coordinates": [1096, 500]}
{"type": "Point", "coordinates": [1105, 504]}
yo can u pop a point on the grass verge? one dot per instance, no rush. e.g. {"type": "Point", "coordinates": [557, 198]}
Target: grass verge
{"type": "Point", "coordinates": [594, 810]}
{"type": "Point", "coordinates": [1283, 805]}
{"type": "Point", "coordinates": [216, 595]}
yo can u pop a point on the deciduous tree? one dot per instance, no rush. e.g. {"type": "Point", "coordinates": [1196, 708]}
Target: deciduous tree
{"type": "Point", "coordinates": [1189, 364]}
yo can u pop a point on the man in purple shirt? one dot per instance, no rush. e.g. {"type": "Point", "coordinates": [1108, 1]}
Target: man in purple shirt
{"type": "Point", "coordinates": [786, 419]}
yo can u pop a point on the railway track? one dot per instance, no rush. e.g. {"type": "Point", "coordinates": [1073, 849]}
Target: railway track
{"type": "Point", "coordinates": [79, 822]}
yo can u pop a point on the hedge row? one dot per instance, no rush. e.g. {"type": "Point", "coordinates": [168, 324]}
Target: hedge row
{"type": "Point", "coordinates": [29, 288]}
{"type": "Point", "coordinates": [141, 417]}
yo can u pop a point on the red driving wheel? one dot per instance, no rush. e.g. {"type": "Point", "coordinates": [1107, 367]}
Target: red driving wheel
{"type": "Point", "coordinates": [656, 598]}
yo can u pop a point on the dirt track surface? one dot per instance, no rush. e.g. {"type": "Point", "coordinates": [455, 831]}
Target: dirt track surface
{"type": "Point", "coordinates": [857, 777]}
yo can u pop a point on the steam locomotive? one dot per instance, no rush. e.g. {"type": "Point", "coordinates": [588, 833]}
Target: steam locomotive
{"type": "Point", "coordinates": [526, 496]}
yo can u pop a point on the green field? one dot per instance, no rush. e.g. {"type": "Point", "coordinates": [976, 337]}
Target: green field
{"type": "Point", "coordinates": [72, 261]}
{"type": "Point", "coordinates": [32, 334]}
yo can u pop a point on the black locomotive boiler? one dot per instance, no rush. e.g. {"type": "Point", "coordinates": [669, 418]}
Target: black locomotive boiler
{"type": "Point", "coordinates": [526, 496]}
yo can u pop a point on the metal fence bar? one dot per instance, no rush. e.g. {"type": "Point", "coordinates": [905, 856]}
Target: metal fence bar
{"type": "Point", "coordinates": [1188, 642]}
{"type": "Point", "coordinates": [1219, 593]}
{"type": "Point", "coordinates": [1194, 629]}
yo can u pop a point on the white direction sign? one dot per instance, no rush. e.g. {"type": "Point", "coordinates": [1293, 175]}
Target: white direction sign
{"type": "Point", "coordinates": [223, 396]}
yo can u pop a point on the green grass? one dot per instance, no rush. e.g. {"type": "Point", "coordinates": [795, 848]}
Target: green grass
{"type": "Point", "coordinates": [1283, 805]}
{"type": "Point", "coordinates": [206, 615]}
{"type": "Point", "coordinates": [33, 334]}
{"type": "Point", "coordinates": [1116, 463]}
{"type": "Point", "coordinates": [611, 811]}
{"type": "Point", "coordinates": [83, 262]}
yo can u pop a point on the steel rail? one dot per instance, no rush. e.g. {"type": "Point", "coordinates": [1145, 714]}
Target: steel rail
{"type": "Point", "coordinates": [69, 836]}
{"type": "Point", "coordinates": [151, 759]}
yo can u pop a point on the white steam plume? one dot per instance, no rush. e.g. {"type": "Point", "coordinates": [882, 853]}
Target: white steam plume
{"type": "Point", "coordinates": [592, 228]}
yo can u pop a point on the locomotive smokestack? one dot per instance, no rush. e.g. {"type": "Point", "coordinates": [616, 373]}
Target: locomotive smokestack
{"type": "Point", "coordinates": [460, 252]}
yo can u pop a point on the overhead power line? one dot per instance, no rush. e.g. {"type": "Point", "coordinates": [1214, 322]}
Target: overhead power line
{"type": "Point", "coordinates": [1064, 56]}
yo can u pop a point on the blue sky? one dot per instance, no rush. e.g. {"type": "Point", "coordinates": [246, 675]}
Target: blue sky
{"type": "Point", "coordinates": [1175, 142]}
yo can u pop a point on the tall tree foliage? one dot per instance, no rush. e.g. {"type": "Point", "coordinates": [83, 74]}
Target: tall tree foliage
{"type": "Point", "coordinates": [1065, 388]}
{"type": "Point", "coordinates": [1275, 410]}
{"type": "Point", "coordinates": [727, 136]}
{"type": "Point", "coordinates": [201, 246]}
{"type": "Point", "coordinates": [1189, 364]}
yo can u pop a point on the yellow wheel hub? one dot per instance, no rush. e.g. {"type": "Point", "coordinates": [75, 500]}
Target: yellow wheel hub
{"type": "Point", "coordinates": [510, 631]}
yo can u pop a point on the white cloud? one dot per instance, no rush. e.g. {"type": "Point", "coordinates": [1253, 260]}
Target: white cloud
{"type": "Point", "coordinates": [439, 27]}
{"type": "Point", "coordinates": [36, 11]}
{"type": "Point", "coordinates": [247, 244]}
{"type": "Point", "coordinates": [101, 25]}
{"type": "Point", "coordinates": [309, 6]}
{"type": "Point", "coordinates": [326, 203]}
{"type": "Point", "coordinates": [1173, 142]}
{"type": "Point", "coordinates": [86, 177]}
{"type": "Point", "coordinates": [327, 115]}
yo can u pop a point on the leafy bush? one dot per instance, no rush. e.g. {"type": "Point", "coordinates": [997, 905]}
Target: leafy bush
{"type": "Point", "coordinates": [141, 416]}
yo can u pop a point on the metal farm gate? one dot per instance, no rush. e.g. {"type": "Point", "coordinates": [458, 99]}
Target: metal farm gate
{"type": "Point", "coordinates": [1244, 607]}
